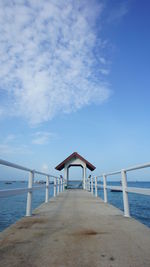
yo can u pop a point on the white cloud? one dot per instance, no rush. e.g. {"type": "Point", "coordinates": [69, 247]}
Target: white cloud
{"type": "Point", "coordinates": [10, 146]}
{"type": "Point", "coordinates": [48, 57]}
{"type": "Point", "coordinates": [9, 149]}
{"type": "Point", "coordinates": [45, 168]}
{"type": "Point", "coordinates": [42, 138]}
{"type": "Point", "coordinates": [118, 11]}
{"type": "Point", "coordinates": [9, 138]}
{"type": "Point", "coordinates": [104, 71]}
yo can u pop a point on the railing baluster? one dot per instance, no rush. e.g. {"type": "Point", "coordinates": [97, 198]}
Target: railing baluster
{"type": "Point", "coordinates": [105, 187]}
{"type": "Point", "coordinates": [89, 188]}
{"type": "Point", "coordinates": [125, 194]}
{"type": "Point", "coordinates": [58, 186]}
{"type": "Point", "coordinates": [92, 185]}
{"type": "Point", "coordinates": [47, 189]}
{"type": "Point", "coordinates": [63, 183]}
{"type": "Point", "coordinates": [54, 187]}
{"type": "Point", "coordinates": [29, 195]}
{"type": "Point", "coordinates": [95, 186]}
{"type": "Point", "coordinates": [87, 184]}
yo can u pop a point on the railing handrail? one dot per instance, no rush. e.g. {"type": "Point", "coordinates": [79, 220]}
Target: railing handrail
{"type": "Point", "coordinates": [18, 191]}
{"type": "Point", "coordinates": [136, 167]}
{"type": "Point", "coordinates": [108, 174]}
{"type": "Point", "coordinates": [16, 166]}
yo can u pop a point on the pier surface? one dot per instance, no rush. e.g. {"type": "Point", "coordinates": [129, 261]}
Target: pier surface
{"type": "Point", "coordinates": [75, 229]}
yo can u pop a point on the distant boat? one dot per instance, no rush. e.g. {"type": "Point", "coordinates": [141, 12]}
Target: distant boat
{"type": "Point", "coordinates": [40, 182]}
{"type": "Point", "coordinates": [114, 190]}
{"type": "Point", "coordinates": [8, 183]}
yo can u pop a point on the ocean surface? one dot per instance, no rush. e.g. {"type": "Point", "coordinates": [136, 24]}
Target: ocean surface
{"type": "Point", "coordinates": [14, 207]}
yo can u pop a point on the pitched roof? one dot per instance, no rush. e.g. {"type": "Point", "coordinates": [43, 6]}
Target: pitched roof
{"type": "Point", "coordinates": [75, 155]}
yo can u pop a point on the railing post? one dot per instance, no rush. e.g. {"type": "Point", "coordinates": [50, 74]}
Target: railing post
{"type": "Point", "coordinates": [89, 188]}
{"type": "Point", "coordinates": [61, 184]}
{"type": "Point", "coordinates": [54, 187]}
{"type": "Point", "coordinates": [85, 184]}
{"type": "Point", "coordinates": [58, 185]}
{"type": "Point", "coordinates": [92, 185]}
{"type": "Point", "coordinates": [47, 189]}
{"type": "Point", "coordinates": [29, 195]}
{"type": "Point", "coordinates": [95, 186]}
{"type": "Point", "coordinates": [105, 188]}
{"type": "Point", "coordinates": [125, 194]}
{"type": "Point", "coordinates": [88, 184]}
{"type": "Point", "coordinates": [84, 177]}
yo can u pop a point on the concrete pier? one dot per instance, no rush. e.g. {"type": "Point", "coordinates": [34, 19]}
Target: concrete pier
{"type": "Point", "coordinates": [75, 229]}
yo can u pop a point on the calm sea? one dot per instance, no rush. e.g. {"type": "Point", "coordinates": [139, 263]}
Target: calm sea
{"type": "Point", "coordinates": [13, 208]}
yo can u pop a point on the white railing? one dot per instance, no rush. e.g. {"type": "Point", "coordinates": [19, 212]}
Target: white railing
{"type": "Point", "coordinates": [58, 185]}
{"type": "Point", "coordinates": [124, 187]}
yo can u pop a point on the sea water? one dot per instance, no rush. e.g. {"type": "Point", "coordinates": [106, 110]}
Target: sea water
{"type": "Point", "coordinates": [139, 204]}
{"type": "Point", "coordinates": [14, 207]}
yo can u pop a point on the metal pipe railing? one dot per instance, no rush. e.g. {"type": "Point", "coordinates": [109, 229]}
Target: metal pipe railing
{"type": "Point", "coordinates": [95, 186]}
{"type": "Point", "coordinates": [137, 167]}
{"type": "Point", "coordinates": [13, 165]}
{"type": "Point", "coordinates": [29, 190]}
{"type": "Point", "coordinates": [19, 167]}
{"type": "Point", "coordinates": [124, 187]}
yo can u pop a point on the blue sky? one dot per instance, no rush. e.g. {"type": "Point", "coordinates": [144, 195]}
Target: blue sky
{"type": "Point", "coordinates": [75, 77]}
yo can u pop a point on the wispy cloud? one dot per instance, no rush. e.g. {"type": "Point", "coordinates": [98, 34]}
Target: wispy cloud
{"type": "Point", "coordinates": [10, 149]}
{"type": "Point", "coordinates": [45, 167]}
{"type": "Point", "coordinates": [48, 57]}
{"type": "Point", "coordinates": [42, 138]}
{"type": "Point", "coordinates": [9, 138]}
{"type": "Point", "coordinates": [117, 11]}
{"type": "Point", "coordinates": [10, 146]}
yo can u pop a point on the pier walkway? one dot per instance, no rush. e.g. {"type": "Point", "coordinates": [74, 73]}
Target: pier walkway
{"type": "Point", "coordinates": [75, 229]}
